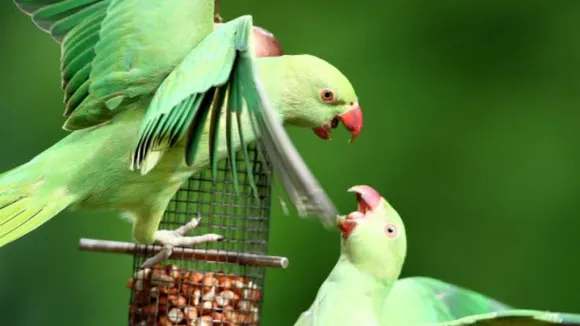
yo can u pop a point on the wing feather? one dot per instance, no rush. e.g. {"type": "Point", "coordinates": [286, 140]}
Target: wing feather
{"type": "Point", "coordinates": [113, 50]}
{"type": "Point", "coordinates": [304, 190]}
{"type": "Point", "coordinates": [516, 318]}
{"type": "Point", "coordinates": [59, 17]}
{"type": "Point", "coordinates": [216, 110]}
{"type": "Point", "coordinates": [180, 97]}
{"type": "Point", "coordinates": [435, 301]}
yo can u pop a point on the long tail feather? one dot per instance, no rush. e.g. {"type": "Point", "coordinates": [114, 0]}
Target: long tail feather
{"type": "Point", "coordinates": [197, 127]}
{"type": "Point", "coordinates": [216, 111]}
{"type": "Point", "coordinates": [247, 163]}
{"type": "Point", "coordinates": [234, 104]}
{"type": "Point", "coordinates": [27, 202]}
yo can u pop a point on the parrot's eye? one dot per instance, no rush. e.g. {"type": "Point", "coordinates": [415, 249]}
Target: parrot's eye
{"type": "Point", "coordinates": [327, 95]}
{"type": "Point", "coordinates": [391, 231]}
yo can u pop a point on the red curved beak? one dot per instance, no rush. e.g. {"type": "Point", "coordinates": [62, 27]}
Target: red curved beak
{"type": "Point", "coordinates": [368, 199]}
{"type": "Point", "coordinates": [352, 120]}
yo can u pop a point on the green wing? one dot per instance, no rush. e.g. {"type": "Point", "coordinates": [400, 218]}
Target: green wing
{"type": "Point", "coordinates": [516, 318]}
{"type": "Point", "coordinates": [76, 24]}
{"type": "Point", "coordinates": [59, 17]}
{"type": "Point", "coordinates": [184, 98]}
{"type": "Point", "coordinates": [420, 300]}
{"type": "Point", "coordinates": [427, 301]}
{"type": "Point", "coordinates": [217, 75]}
{"type": "Point", "coordinates": [117, 50]}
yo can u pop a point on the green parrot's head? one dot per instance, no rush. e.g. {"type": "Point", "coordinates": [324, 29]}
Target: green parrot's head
{"type": "Point", "coordinates": [318, 96]}
{"type": "Point", "coordinates": [374, 238]}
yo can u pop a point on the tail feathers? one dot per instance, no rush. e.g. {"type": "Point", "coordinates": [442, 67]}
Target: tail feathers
{"type": "Point", "coordinates": [26, 206]}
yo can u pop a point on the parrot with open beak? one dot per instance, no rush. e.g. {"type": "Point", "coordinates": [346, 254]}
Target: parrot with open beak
{"type": "Point", "coordinates": [364, 287]}
{"type": "Point", "coordinates": [155, 92]}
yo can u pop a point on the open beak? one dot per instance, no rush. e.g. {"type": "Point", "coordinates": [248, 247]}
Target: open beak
{"type": "Point", "coordinates": [368, 200]}
{"type": "Point", "coordinates": [351, 119]}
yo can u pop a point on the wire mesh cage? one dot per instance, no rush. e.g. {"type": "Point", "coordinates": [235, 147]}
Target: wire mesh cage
{"type": "Point", "coordinates": [215, 283]}
{"type": "Point", "coordinates": [220, 286]}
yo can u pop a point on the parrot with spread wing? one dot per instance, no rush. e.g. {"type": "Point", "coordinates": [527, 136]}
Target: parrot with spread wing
{"type": "Point", "coordinates": [363, 288]}
{"type": "Point", "coordinates": [154, 93]}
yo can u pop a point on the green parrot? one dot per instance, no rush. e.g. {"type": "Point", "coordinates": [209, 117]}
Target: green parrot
{"type": "Point", "coordinates": [363, 287]}
{"type": "Point", "coordinates": [155, 93]}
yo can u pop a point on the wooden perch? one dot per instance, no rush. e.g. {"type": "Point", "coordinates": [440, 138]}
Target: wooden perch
{"type": "Point", "coordinates": [212, 255]}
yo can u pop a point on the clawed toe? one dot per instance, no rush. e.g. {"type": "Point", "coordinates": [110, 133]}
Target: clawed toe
{"type": "Point", "coordinates": [176, 238]}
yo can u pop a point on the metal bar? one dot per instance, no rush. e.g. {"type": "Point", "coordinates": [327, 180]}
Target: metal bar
{"type": "Point", "coordinates": [184, 253]}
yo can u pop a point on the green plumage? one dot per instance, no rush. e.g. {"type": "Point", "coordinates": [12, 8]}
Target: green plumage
{"type": "Point", "coordinates": [150, 85]}
{"type": "Point", "coordinates": [363, 288]}
{"type": "Point", "coordinates": [179, 98]}
{"type": "Point", "coordinates": [434, 301]}
{"type": "Point", "coordinates": [517, 318]}
{"type": "Point", "coordinates": [58, 17]}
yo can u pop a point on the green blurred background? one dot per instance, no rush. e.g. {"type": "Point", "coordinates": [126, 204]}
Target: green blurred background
{"type": "Point", "coordinates": [471, 131]}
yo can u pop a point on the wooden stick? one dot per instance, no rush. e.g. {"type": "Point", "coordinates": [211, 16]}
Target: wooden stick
{"type": "Point", "coordinates": [184, 253]}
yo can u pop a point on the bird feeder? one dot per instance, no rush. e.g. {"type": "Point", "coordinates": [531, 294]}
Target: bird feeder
{"type": "Point", "coordinates": [224, 282]}
{"type": "Point", "coordinates": [215, 283]}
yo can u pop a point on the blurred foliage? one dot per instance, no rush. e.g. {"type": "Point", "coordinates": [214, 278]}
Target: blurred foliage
{"type": "Point", "coordinates": [471, 131]}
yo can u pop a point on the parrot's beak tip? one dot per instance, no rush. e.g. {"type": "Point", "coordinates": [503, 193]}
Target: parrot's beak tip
{"type": "Point", "coordinates": [352, 120]}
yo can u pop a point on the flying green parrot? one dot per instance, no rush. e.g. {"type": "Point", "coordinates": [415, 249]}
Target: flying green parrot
{"type": "Point", "coordinates": [363, 287]}
{"type": "Point", "coordinates": [153, 94]}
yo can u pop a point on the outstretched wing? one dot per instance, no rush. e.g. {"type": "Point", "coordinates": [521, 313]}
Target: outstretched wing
{"type": "Point", "coordinates": [516, 318]}
{"type": "Point", "coordinates": [116, 50]}
{"type": "Point", "coordinates": [220, 74]}
{"type": "Point", "coordinates": [422, 300]}
{"type": "Point", "coordinates": [59, 17]}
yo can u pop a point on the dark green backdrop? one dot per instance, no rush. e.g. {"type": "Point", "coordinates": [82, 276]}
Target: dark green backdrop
{"type": "Point", "coordinates": [472, 115]}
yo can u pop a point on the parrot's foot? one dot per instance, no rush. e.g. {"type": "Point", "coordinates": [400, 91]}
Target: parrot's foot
{"type": "Point", "coordinates": [176, 238]}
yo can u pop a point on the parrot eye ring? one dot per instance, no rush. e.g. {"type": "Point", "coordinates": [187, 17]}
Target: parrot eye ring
{"type": "Point", "coordinates": [327, 95]}
{"type": "Point", "coordinates": [391, 231]}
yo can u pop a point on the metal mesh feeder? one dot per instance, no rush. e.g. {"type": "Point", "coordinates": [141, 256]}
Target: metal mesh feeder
{"type": "Point", "coordinates": [215, 283]}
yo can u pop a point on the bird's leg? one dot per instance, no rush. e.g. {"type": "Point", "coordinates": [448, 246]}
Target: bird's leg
{"type": "Point", "coordinates": [217, 18]}
{"type": "Point", "coordinates": [170, 239]}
